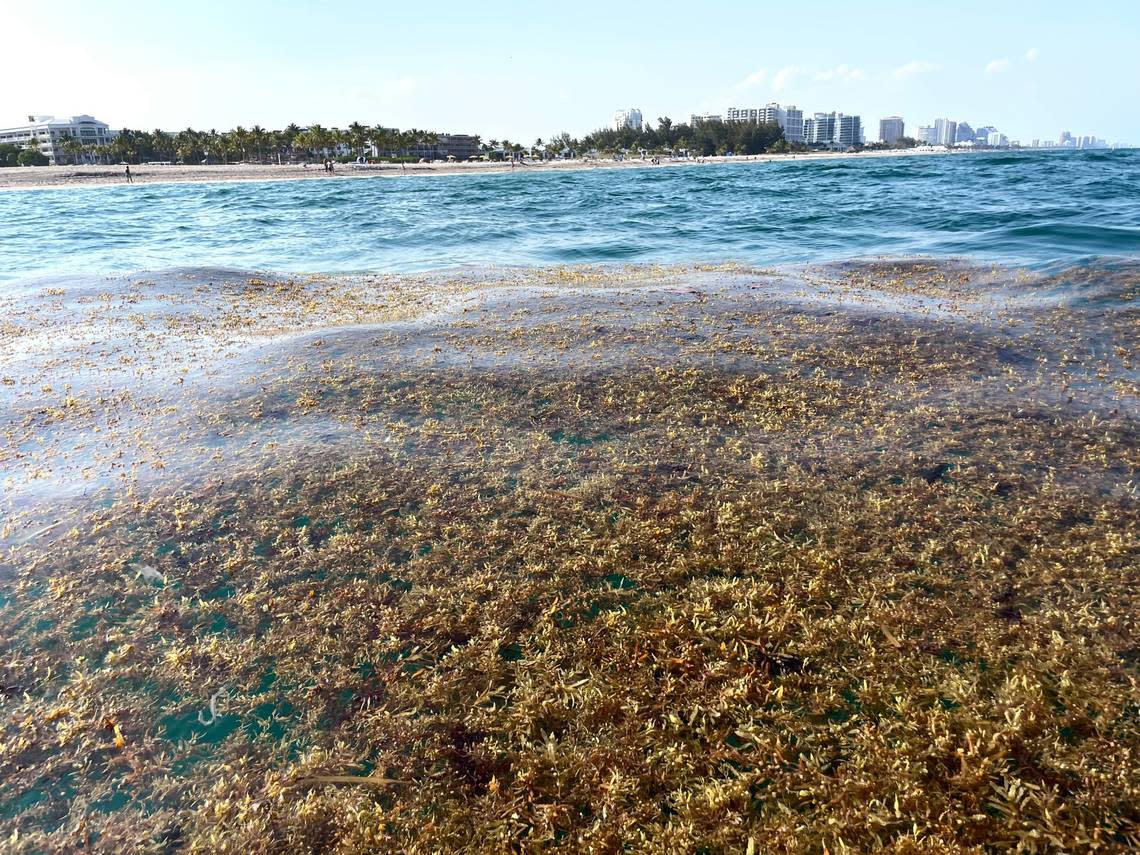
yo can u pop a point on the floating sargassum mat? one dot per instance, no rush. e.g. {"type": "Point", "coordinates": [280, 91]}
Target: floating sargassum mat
{"type": "Point", "coordinates": [584, 558]}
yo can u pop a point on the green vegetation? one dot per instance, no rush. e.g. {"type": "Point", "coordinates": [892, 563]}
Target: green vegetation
{"type": "Point", "coordinates": [903, 142]}
{"type": "Point", "coordinates": [31, 157]}
{"type": "Point", "coordinates": [705, 138]}
{"type": "Point", "coordinates": [258, 145]}
{"type": "Point", "coordinates": [9, 154]}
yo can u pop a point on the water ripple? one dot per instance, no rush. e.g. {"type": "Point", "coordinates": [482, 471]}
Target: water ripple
{"type": "Point", "coordinates": [1027, 208]}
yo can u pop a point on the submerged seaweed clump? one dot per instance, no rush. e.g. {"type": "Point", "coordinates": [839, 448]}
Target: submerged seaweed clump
{"type": "Point", "coordinates": [657, 560]}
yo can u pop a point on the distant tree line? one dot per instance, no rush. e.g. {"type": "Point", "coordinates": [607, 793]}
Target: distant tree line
{"type": "Point", "coordinates": [253, 145]}
{"type": "Point", "coordinates": [705, 138]}
{"type": "Point", "coordinates": [294, 143]}
{"type": "Point", "coordinates": [902, 142]}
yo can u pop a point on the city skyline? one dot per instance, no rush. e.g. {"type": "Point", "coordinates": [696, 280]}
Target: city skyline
{"type": "Point", "coordinates": [1065, 68]}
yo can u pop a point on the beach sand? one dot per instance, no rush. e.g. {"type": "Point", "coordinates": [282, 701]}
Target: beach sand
{"type": "Point", "coordinates": [33, 177]}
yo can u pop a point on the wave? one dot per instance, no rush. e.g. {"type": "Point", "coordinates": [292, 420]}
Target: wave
{"type": "Point", "coordinates": [1027, 208]}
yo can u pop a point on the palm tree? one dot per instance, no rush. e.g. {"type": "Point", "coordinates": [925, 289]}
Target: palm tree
{"type": "Point", "coordinates": [358, 136]}
{"type": "Point", "coordinates": [163, 145]}
{"type": "Point", "coordinates": [123, 146]}
{"type": "Point", "coordinates": [257, 138]}
{"type": "Point", "coordinates": [381, 139]}
{"type": "Point", "coordinates": [71, 145]}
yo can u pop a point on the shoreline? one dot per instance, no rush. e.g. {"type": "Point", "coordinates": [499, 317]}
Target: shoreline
{"type": "Point", "coordinates": [56, 177]}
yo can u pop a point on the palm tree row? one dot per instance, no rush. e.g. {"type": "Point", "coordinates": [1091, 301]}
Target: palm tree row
{"type": "Point", "coordinates": [253, 145]}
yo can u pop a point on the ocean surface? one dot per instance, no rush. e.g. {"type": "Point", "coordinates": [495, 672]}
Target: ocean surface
{"type": "Point", "coordinates": [531, 468]}
{"type": "Point", "coordinates": [1032, 209]}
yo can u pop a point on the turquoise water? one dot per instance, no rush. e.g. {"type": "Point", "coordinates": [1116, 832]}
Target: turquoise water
{"type": "Point", "coordinates": [1024, 208]}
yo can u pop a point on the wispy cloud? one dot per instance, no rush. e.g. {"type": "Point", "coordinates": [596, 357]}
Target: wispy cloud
{"type": "Point", "coordinates": [841, 73]}
{"type": "Point", "coordinates": [1032, 54]}
{"type": "Point", "coordinates": [912, 69]}
{"type": "Point", "coordinates": [785, 76]}
{"type": "Point", "coordinates": [756, 78]}
{"type": "Point", "coordinates": [998, 65]}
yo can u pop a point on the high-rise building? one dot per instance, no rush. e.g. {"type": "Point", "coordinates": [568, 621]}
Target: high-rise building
{"type": "Point", "coordinates": [997, 139]}
{"type": "Point", "coordinates": [834, 129]}
{"type": "Point", "coordinates": [790, 118]}
{"type": "Point", "coordinates": [848, 131]}
{"type": "Point", "coordinates": [630, 118]}
{"type": "Point", "coordinates": [944, 132]}
{"type": "Point", "coordinates": [695, 119]}
{"type": "Point", "coordinates": [891, 129]}
{"type": "Point", "coordinates": [982, 134]}
{"type": "Point", "coordinates": [793, 124]}
{"type": "Point", "coordinates": [1065, 140]}
{"type": "Point", "coordinates": [927, 135]}
{"type": "Point", "coordinates": [823, 129]}
{"type": "Point", "coordinates": [964, 133]}
{"type": "Point", "coordinates": [748, 114]}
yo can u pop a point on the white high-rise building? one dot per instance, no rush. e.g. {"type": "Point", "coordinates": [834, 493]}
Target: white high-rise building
{"type": "Point", "coordinates": [50, 133]}
{"type": "Point", "coordinates": [982, 135]}
{"type": "Point", "coordinates": [891, 129]}
{"type": "Point", "coordinates": [823, 129]}
{"type": "Point", "coordinates": [945, 132]}
{"type": "Point", "coordinates": [697, 119]}
{"type": "Point", "coordinates": [834, 129]}
{"type": "Point", "coordinates": [747, 114]}
{"type": "Point", "coordinates": [927, 135]}
{"type": "Point", "coordinates": [630, 118]}
{"type": "Point", "coordinates": [793, 124]}
{"type": "Point", "coordinates": [790, 118]}
{"type": "Point", "coordinates": [848, 131]}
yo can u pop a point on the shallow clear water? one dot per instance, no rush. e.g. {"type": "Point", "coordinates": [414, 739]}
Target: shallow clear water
{"type": "Point", "coordinates": [1023, 208]}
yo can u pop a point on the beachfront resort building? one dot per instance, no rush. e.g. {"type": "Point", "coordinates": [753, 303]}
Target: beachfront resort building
{"type": "Point", "coordinates": [446, 147]}
{"type": "Point", "coordinates": [49, 135]}
{"type": "Point", "coordinates": [630, 118]}
{"type": "Point", "coordinates": [789, 118]}
{"type": "Point", "coordinates": [891, 129]}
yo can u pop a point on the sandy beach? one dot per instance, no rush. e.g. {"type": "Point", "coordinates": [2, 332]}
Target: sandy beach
{"type": "Point", "coordinates": [36, 177]}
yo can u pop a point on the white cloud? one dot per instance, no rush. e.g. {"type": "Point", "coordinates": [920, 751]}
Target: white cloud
{"type": "Point", "coordinates": [842, 73]}
{"type": "Point", "coordinates": [998, 66]}
{"type": "Point", "coordinates": [753, 80]}
{"type": "Point", "coordinates": [784, 76]}
{"type": "Point", "coordinates": [913, 68]}
{"type": "Point", "coordinates": [1032, 54]}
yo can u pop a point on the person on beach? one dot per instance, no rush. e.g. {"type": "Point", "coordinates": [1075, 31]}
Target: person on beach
{"type": "Point", "coordinates": [129, 179]}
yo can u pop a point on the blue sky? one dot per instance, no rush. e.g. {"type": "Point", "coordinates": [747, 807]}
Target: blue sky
{"type": "Point", "coordinates": [522, 71]}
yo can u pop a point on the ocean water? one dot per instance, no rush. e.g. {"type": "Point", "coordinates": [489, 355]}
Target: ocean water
{"type": "Point", "coordinates": [1033, 209]}
{"type": "Point", "coordinates": [260, 525]}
